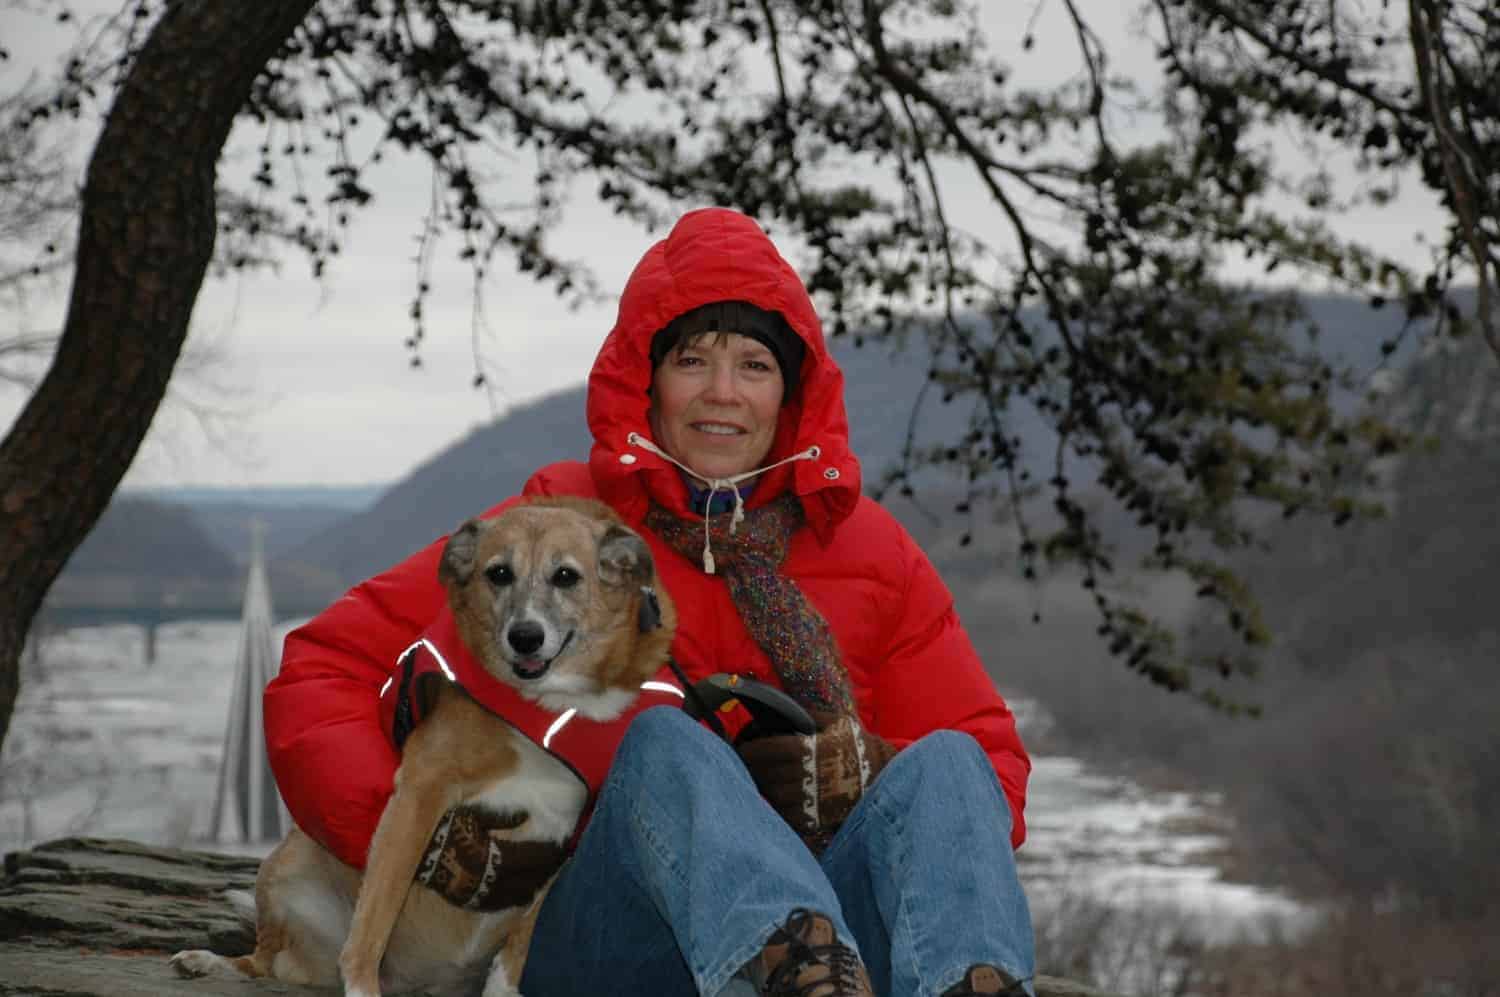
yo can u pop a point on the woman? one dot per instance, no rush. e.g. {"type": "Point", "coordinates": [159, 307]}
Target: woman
{"type": "Point", "coordinates": [873, 857]}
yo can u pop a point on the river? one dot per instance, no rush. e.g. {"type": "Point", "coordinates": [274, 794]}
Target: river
{"type": "Point", "coordinates": [102, 744]}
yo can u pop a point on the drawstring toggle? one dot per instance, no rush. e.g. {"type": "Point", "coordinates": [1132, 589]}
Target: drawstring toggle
{"type": "Point", "coordinates": [716, 484]}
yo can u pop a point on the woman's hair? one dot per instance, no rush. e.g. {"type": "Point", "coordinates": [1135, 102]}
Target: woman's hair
{"type": "Point", "coordinates": [765, 327]}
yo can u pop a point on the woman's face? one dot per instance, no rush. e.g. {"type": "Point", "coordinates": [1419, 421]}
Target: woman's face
{"type": "Point", "coordinates": [714, 403]}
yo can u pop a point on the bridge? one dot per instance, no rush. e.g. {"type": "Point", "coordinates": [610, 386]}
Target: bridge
{"type": "Point", "coordinates": [56, 618]}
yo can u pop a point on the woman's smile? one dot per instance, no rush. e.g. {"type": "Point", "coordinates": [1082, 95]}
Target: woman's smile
{"type": "Point", "coordinates": [717, 429]}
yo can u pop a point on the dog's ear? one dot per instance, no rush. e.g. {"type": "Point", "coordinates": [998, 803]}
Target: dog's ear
{"type": "Point", "coordinates": [624, 558]}
{"type": "Point", "coordinates": [457, 565]}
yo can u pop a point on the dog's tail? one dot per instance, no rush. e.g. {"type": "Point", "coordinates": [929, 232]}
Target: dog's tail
{"type": "Point", "coordinates": [243, 904]}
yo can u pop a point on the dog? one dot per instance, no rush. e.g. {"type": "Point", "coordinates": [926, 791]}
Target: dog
{"type": "Point", "coordinates": [559, 603]}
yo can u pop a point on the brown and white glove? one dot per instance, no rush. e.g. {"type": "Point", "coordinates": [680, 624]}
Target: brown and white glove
{"type": "Point", "coordinates": [814, 780]}
{"type": "Point", "coordinates": [471, 864]}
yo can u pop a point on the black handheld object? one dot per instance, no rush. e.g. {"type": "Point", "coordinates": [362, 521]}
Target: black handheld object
{"type": "Point", "coordinates": [771, 710]}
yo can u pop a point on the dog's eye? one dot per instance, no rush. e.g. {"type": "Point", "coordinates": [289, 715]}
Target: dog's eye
{"type": "Point", "coordinates": [500, 575]}
{"type": "Point", "coordinates": [566, 578]}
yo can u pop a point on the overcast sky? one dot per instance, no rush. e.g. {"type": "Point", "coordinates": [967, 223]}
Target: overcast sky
{"type": "Point", "coordinates": [310, 382]}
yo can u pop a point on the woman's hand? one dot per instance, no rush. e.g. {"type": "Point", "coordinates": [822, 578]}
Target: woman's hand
{"type": "Point", "coordinates": [471, 863]}
{"type": "Point", "coordinates": [814, 781]}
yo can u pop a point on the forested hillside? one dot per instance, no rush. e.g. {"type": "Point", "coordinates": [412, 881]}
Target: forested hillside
{"type": "Point", "coordinates": [1372, 774]}
{"type": "Point", "coordinates": [142, 552]}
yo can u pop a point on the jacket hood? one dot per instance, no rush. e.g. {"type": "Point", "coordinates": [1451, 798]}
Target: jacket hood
{"type": "Point", "coordinates": [710, 255]}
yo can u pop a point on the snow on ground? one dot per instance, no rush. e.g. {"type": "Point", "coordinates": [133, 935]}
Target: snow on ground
{"type": "Point", "coordinates": [101, 744]}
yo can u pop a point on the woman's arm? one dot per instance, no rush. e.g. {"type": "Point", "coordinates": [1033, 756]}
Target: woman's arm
{"type": "Point", "coordinates": [933, 679]}
{"type": "Point", "coordinates": [333, 763]}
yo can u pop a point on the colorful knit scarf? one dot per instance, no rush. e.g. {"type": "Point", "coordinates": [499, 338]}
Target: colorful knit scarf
{"type": "Point", "coordinates": [787, 627]}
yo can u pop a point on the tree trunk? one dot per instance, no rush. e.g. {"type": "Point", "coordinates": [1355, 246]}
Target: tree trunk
{"type": "Point", "coordinates": [144, 242]}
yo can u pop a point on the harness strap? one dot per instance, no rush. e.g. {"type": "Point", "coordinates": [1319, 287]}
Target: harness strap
{"type": "Point", "coordinates": [406, 720]}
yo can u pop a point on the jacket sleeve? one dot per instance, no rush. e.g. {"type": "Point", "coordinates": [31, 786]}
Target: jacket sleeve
{"type": "Point", "coordinates": [333, 763]}
{"type": "Point", "coordinates": [932, 679]}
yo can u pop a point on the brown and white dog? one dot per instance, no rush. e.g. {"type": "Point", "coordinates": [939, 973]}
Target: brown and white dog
{"type": "Point", "coordinates": [552, 597]}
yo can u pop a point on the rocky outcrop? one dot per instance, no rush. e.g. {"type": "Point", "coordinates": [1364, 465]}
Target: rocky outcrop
{"type": "Point", "coordinates": [93, 917]}
{"type": "Point", "coordinates": [86, 916]}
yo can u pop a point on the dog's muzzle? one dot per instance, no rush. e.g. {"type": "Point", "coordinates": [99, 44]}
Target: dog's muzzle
{"type": "Point", "coordinates": [526, 638]}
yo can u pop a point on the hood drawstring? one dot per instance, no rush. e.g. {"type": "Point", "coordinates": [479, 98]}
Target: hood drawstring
{"type": "Point", "coordinates": [717, 484]}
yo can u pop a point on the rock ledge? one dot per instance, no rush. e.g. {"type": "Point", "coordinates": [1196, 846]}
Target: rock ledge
{"type": "Point", "coordinates": [96, 917]}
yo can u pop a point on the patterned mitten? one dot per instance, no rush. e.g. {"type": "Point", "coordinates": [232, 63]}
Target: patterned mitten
{"type": "Point", "coordinates": [813, 781]}
{"type": "Point", "coordinates": [472, 865]}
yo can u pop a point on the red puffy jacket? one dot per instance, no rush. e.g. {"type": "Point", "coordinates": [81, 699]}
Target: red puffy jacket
{"type": "Point", "coordinates": [912, 665]}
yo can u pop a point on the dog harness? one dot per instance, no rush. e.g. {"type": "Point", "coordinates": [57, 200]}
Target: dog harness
{"type": "Point", "coordinates": [585, 746]}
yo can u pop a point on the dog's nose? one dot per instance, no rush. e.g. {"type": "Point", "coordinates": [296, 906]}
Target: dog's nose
{"type": "Point", "coordinates": [526, 636]}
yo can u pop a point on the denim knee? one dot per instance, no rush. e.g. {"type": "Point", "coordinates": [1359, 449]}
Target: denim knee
{"type": "Point", "coordinates": [940, 749]}
{"type": "Point", "coordinates": [948, 764]}
{"type": "Point", "coordinates": [664, 739]}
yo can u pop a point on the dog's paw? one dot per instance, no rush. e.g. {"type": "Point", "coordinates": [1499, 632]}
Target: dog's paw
{"type": "Point", "coordinates": [499, 983]}
{"type": "Point", "coordinates": [201, 962]}
{"type": "Point", "coordinates": [503, 990]}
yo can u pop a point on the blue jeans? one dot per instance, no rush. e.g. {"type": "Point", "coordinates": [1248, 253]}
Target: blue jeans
{"type": "Point", "coordinates": [684, 873]}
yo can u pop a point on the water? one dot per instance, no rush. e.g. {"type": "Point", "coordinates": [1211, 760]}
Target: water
{"type": "Point", "coordinates": [1105, 839]}
{"type": "Point", "coordinates": [101, 744]}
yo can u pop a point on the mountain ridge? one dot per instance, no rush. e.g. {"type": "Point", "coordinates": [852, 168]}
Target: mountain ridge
{"type": "Point", "coordinates": [883, 383]}
{"type": "Point", "coordinates": [323, 539]}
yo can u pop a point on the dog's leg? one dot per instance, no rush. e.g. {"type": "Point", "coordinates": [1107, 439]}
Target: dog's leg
{"type": "Point", "coordinates": [297, 874]}
{"type": "Point", "coordinates": [395, 851]}
{"type": "Point", "coordinates": [510, 962]}
{"type": "Point", "coordinates": [202, 962]}
{"type": "Point", "coordinates": [193, 963]}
